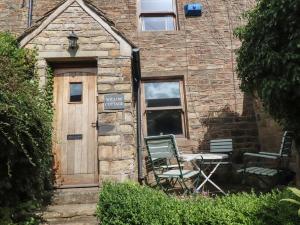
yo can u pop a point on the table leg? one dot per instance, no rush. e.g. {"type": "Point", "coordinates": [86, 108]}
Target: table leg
{"type": "Point", "coordinates": [207, 179]}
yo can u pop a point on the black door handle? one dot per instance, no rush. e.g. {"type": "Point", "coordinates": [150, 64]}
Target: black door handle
{"type": "Point", "coordinates": [95, 124]}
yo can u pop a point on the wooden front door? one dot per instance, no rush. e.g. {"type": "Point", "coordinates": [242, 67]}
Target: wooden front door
{"type": "Point", "coordinates": [75, 136]}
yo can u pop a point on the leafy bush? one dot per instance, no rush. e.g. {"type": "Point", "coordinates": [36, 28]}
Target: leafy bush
{"type": "Point", "coordinates": [129, 203]}
{"type": "Point", "coordinates": [296, 192]}
{"type": "Point", "coordinates": [25, 129]}
{"type": "Point", "coordinates": [268, 59]}
{"type": "Point", "coordinates": [21, 214]}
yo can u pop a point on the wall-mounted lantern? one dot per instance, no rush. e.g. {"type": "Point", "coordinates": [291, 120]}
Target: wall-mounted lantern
{"type": "Point", "coordinates": [73, 40]}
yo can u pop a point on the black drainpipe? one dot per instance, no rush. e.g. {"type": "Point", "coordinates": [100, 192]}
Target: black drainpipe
{"type": "Point", "coordinates": [137, 94]}
{"type": "Point", "coordinates": [30, 7]}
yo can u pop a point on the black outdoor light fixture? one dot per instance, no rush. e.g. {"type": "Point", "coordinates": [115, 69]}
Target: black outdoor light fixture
{"type": "Point", "coordinates": [73, 40]}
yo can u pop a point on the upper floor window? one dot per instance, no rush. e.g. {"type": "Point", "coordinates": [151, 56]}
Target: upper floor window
{"type": "Point", "coordinates": [157, 15]}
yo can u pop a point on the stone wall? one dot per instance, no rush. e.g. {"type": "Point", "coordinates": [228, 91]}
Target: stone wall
{"type": "Point", "coordinates": [14, 13]}
{"type": "Point", "coordinates": [201, 51]}
{"type": "Point", "coordinates": [116, 134]}
{"type": "Point", "coordinates": [116, 128]}
{"type": "Point", "coordinates": [13, 16]}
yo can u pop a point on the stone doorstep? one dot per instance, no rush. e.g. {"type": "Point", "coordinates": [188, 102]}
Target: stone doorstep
{"type": "Point", "coordinates": [75, 196]}
{"type": "Point", "coordinates": [86, 220]}
{"type": "Point", "coordinates": [72, 206]}
{"type": "Point", "coordinates": [69, 211]}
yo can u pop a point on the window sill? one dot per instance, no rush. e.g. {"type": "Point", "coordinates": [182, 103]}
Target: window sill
{"type": "Point", "coordinates": [75, 103]}
{"type": "Point", "coordinates": [157, 31]}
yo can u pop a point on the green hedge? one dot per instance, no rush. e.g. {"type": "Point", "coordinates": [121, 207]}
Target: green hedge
{"type": "Point", "coordinates": [131, 204]}
{"type": "Point", "coordinates": [25, 132]}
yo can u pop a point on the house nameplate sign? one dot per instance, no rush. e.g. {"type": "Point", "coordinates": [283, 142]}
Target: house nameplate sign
{"type": "Point", "coordinates": [114, 101]}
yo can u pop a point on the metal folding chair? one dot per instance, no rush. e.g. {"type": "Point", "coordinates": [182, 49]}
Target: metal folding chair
{"type": "Point", "coordinates": [261, 170]}
{"type": "Point", "coordinates": [167, 167]}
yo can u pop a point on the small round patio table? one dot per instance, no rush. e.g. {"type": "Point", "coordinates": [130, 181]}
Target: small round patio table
{"type": "Point", "coordinates": [197, 160]}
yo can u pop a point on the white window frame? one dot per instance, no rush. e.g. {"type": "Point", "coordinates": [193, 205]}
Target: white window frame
{"type": "Point", "coordinates": [143, 14]}
{"type": "Point", "coordinates": [182, 106]}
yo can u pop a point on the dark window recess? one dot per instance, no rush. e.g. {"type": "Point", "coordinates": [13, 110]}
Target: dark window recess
{"type": "Point", "coordinates": [164, 122]}
{"type": "Point", "coordinates": [163, 102]}
{"type": "Point", "coordinates": [75, 92]}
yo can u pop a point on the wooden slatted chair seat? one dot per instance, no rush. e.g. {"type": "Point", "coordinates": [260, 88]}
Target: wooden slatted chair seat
{"type": "Point", "coordinates": [260, 171]}
{"type": "Point", "coordinates": [177, 173]}
{"type": "Point", "coordinates": [260, 155]}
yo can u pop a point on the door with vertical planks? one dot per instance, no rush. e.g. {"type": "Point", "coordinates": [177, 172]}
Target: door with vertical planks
{"type": "Point", "coordinates": [75, 134]}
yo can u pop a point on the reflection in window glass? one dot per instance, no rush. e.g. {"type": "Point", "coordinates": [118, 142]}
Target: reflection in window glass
{"type": "Point", "coordinates": [161, 94]}
{"type": "Point", "coordinates": [164, 122]}
{"type": "Point", "coordinates": [157, 5]}
{"type": "Point", "coordinates": [75, 92]}
{"type": "Point", "coordinates": [163, 23]}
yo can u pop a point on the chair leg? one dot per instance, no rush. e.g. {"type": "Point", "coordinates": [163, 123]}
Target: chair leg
{"type": "Point", "coordinates": [171, 183]}
{"type": "Point", "coordinates": [158, 181]}
{"type": "Point", "coordinates": [267, 184]}
{"type": "Point", "coordinates": [244, 177]}
{"type": "Point", "coordinates": [174, 181]}
{"type": "Point", "coordinates": [181, 184]}
{"type": "Point", "coordinates": [197, 181]}
{"type": "Point", "coordinates": [186, 189]}
{"type": "Point", "coordinates": [245, 174]}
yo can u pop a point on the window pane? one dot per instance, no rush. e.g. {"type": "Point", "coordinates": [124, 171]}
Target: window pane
{"type": "Point", "coordinates": [157, 5]}
{"type": "Point", "coordinates": [164, 122]}
{"type": "Point", "coordinates": [75, 92]}
{"type": "Point", "coordinates": [170, 24]}
{"type": "Point", "coordinates": [160, 94]}
{"type": "Point", "coordinates": [162, 23]}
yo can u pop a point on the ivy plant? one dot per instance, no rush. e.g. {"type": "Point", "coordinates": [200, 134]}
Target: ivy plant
{"type": "Point", "coordinates": [268, 61]}
{"type": "Point", "coordinates": [25, 131]}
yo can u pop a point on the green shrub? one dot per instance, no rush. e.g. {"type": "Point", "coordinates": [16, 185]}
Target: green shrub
{"type": "Point", "coordinates": [132, 204]}
{"type": "Point", "coordinates": [25, 130]}
{"type": "Point", "coordinates": [296, 192]}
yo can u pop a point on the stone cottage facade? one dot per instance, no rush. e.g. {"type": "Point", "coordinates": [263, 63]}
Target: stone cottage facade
{"type": "Point", "coordinates": [188, 83]}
